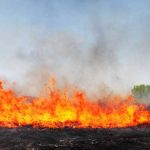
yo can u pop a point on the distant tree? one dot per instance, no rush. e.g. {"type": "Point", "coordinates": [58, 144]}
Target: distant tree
{"type": "Point", "coordinates": [141, 91]}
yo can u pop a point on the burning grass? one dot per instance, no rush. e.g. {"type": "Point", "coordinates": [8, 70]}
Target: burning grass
{"type": "Point", "coordinates": [61, 109]}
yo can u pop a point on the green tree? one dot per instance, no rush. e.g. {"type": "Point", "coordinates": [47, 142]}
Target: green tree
{"type": "Point", "coordinates": [141, 91]}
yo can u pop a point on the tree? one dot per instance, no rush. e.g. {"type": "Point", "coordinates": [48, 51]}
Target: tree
{"type": "Point", "coordinates": [141, 92]}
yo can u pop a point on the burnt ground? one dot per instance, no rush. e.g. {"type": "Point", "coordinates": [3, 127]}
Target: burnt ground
{"type": "Point", "coordinates": [28, 138]}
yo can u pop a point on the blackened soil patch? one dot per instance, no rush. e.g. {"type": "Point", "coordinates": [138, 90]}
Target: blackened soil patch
{"type": "Point", "coordinates": [28, 138]}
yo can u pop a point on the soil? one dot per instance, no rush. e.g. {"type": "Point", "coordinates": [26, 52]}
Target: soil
{"type": "Point", "coordinates": [28, 138]}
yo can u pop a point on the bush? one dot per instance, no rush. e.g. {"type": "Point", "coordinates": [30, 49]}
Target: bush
{"type": "Point", "coordinates": [141, 91]}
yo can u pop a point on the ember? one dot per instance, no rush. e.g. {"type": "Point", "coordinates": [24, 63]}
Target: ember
{"type": "Point", "coordinates": [61, 109]}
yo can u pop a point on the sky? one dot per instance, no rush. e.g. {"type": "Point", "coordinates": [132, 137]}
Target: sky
{"type": "Point", "coordinates": [97, 45]}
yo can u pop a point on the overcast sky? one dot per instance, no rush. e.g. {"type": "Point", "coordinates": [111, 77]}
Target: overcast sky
{"type": "Point", "coordinates": [89, 43]}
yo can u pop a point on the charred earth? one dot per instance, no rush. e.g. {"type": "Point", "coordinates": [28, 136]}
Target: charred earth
{"type": "Point", "coordinates": [29, 138]}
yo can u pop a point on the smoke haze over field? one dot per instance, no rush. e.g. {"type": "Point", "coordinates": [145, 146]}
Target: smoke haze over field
{"type": "Point", "coordinates": [99, 46]}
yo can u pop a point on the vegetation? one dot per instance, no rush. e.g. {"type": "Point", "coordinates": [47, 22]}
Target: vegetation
{"type": "Point", "coordinates": [141, 92]}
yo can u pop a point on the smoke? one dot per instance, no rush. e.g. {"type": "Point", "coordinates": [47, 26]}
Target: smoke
{"type": "Point", "coordinates": [102, 47]}
{"type": "Point", "coordinates": [92, 68]}
{"type": "Point", "coordinates": [99, 68]}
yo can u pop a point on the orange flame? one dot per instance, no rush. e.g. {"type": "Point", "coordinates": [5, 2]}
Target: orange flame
{"type": "Point", "coordinates": [61, 109]}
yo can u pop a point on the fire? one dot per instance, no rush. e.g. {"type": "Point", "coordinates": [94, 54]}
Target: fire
{"type": "Point", "coordinates": [61, 108]}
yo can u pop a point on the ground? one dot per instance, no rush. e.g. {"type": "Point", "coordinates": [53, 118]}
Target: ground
{"type": "Point", "coordinates": [28, 138]}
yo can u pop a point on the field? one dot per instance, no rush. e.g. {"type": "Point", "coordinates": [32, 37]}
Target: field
{"type": "Point", "coordinates": [28, 138]}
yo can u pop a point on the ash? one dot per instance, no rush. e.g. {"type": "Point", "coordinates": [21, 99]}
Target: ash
{"type": "Point", "coordinates": [28, 138]}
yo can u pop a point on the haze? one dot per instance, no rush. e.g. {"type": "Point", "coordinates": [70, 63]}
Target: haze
{"type": "Point", "coordinates": [100, 46]}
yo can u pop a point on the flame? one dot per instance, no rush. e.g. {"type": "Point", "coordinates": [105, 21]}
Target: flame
{"type": "Point", "coordinates": [61, 108]}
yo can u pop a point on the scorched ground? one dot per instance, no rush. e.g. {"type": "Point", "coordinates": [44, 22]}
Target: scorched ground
{"type": "Point", "coordinates": [67, 119]}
